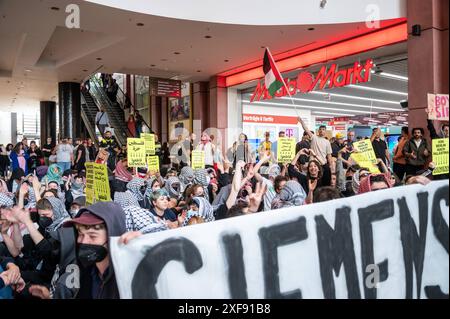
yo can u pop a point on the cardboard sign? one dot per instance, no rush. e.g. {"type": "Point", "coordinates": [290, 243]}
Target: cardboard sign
{"type": "Point", "coordinates": [440, 155]}
{"type": "Point", "coordinates": [386, 244]}
{"type": "Point", "coordinates": [198, 159]}
{"type": "Point", "coordinates": [153, 163]}
{"type": "Point", "coordinates": [97, 183]}
{"type": "Point", "coordinates": [438, 107]}
{"type": "Point", "coordinates": [365, 156]}
{"type": "Point", "coordinates": [149, 143]}
{"type": "Point", "coordinates": [285, 150]}
{"type": "Point", "coordinates": [136, 152]}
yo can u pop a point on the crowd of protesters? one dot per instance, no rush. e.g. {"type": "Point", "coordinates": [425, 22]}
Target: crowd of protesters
{"type": "Point", "coordinates": [47, 229]}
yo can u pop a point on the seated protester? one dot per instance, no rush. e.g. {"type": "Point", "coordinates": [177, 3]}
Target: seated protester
{"type": "Point", "coordinates": [74, 190]}
{"type": "Point", "coordinates": [41, 171]}
{"type": "Point", "coordinates": [417, 179]}
{"type": "Point", "coordinates": [141, 220]}
{"type": "Point", "coordinates": [271, 172]}
{"type": "Point", "coordinates": [160, 208]}
{"type": "Point", "coordinates": [325, 193]}
{"type": "Point", "coordinates": [279, 183]}
{"type": "Point", "coordinates": [93, 227]}
{"type": "Point", "coordinates": [356, 179]}
{"type": "Point", "coordinates": [312, 179]}
{"type": "Point", "coordinates": [173, 187]}
{"type": "Point", "coordinates": [76, 205]}
{"type": "Point", "coordinates": [186, 177]}
{"type": "Point", "coordinates": [374, 182]}
{"type": "Point", "coordinates": [15, 180]}
{"type": "Point", "coordinates": [57, 187]}
{"type": "Point", "coordinates": [121, 177]}
{"type": "Point", "coordinates": [134, 195]}
{"type": "Point", "coordinates": [10, 244]}
{"type": "Point", "coordinates": [50, 193]}
{"type": "Point", "coordinates": [54, 174]}
{"type": "Point", "coordinates": [292, 194]}
{"type": "Point", "coordinates": [200, 211]}
{"type": "Point", "coordinates": [202, 177]}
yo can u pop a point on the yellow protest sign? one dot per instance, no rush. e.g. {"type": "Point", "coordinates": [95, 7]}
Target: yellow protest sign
{"type": "Point", "coordinates": [198, 159]}
{"type": "Point", "coordinates": [136, 152]}
{"type": "Point", "coordinates": [153, 163]}
{"type": "Point", "coordinates": [149, 143]}
{"type": "Point", "coordinates": [365, 147]}
{"type": "Point", "coordinates": [440, 155]}
{"type": "Point", "coordinates": [90, 193]}
{"type": "Point", "coordinates": [362, 161]}
{"type": "Point", "coordinates": [285, 149]}
{"type": "Point", "coordinates": [97, 183]}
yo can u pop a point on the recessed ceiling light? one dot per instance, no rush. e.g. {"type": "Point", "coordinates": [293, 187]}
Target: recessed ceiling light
{"type": "Point", "coordinates": [140, 24]}
{"type": "Point", "coordinates": [199, 70]}
{"type": "Point", "coordinates": [152, 65]}
{"type": "Point", "coordinates": [84, 70]}
{"type": "Point", "coordinates": [163, 59]}
{"type": "Point", "coordinates": [54, 8]}
{"type": "Point", "coordinates": [28, 70]}
{"type": "Point", "coordinates": [99, 59]}
{"type": "Point", "coordinates": [208, 37]}
{"type": "Point", "coordinates": [176, 53]}
{"type": "Point", "coordinates": [226, 60]}
{"type": "Point", "coordinates": [311, 29]}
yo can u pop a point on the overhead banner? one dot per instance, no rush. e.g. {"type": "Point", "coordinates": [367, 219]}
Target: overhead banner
{"type": "Point", "coordinates": [438, 107]}
{"type": "Point", "coordinates": [285, 150]}
{"type": "Point", "coordinates": [365, 155]}
{"type": "Point", "coordinates": [136, 152]}
{"type": "Point", "coordinates": [97, 183]}
{"type": "Point", "coordinates": [153, 163]}
{"type": "Point", "coordinates": [440, 155]}
{"type": "Point", "coordinates": [198, 159]}
{"type": "Point", "coordinates": [149, 143]}
{"type": "Point", "coordinates": [391, 244]}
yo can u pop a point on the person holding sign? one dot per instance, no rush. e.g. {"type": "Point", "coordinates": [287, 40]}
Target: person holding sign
{"type": "Point", "coordinates": [207, 147]}
{"type": "Point", "coordinates": [417, 151]}
{"type": "Point", "coordinates": [322, 149]}
{"type": "Point", "coordinates": [379, 146]}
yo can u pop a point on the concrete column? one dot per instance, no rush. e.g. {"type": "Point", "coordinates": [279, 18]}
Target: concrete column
{"type": "Point", "coordinates": [69, 109]}
{"type": "Point", "coordinates": [218, 110]}
{"type": "Point", "coordinates": [200, 108]}
{"type": "Point", "coordinates": [427, 56]}
{"type": "Point", "coordinates": [48, 121]}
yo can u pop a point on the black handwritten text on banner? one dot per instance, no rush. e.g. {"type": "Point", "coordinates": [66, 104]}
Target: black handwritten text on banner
{"type": "Point", "coordinates": [384, 244]}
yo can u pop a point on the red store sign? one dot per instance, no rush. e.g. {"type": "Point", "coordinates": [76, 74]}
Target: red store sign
{"type": "Point", "coordinates": [306, 82]}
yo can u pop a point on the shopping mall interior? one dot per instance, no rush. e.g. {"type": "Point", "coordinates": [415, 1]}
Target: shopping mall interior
{"type": "Point", "coordinates": [190, 72]}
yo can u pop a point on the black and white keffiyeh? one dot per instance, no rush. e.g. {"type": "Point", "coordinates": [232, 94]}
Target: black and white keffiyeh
{"type": "Point", "coordinates": [173, 187]}
{"type": "Point", "coordinates": [205, 211]}
{"type": "Point", "coordinates": [125, 199]}
{"type": "Point", "coordinates": [140, 219]}
{"type": "Point", "coordinates": [135, 186]}
{"type": "Point", "coordinates": [201, 177]}
{"type": "Point", "coordinates": [6, 201]}
{"type": "Point", "coordinates": [292, 194]}
{"type": "Point", "coordinates": [186, 176]}
{"type": "Point", "coordinates": [60, 215]}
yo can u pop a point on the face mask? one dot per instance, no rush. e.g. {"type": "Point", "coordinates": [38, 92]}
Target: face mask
{"type": "Point", "coordinates": [45, 222]}
{"type": "Point", "coordinates": [89, 254]}
{"type": "Point", "coordinates": [208, 179]}
{"type": "Point", "coordinates": [73, 212]}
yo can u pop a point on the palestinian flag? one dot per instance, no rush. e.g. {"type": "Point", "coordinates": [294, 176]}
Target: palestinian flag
{"type": "Point", "coordinates": [272, 77]}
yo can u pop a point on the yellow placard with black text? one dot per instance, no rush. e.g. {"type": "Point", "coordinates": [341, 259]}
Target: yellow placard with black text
{"type": "Point", "coordinates": [285, 149]}
{"type": "Point", "coordinates": [153, 163]}
{"type": "Point", "coordinates": [136, 152]}
{"type": "Point", "coordinates": [198, 159]}
{"type": "Point", "coordinates": [440, 155]}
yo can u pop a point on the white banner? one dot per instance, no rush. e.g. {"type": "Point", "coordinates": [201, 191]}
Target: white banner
{"type": "Point", "coordinates": [385, 244]}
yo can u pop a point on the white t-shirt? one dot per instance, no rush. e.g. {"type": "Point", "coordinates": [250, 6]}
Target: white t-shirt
{"type": "Point", "coordinates": [322, 147]}
{"type": "Point", "coordinates": [102, 118]}
{"type": "Point", "coordinates": [64, 152]}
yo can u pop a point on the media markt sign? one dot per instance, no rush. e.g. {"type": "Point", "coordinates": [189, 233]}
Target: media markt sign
{"type": "Point", "coordinates": [306, 81]}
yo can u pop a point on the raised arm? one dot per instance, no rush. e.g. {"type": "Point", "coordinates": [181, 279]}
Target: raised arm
{"type": "Point", "coordinates": [305, 127]}
{"type": "Point", "coordinates": [235, 185]}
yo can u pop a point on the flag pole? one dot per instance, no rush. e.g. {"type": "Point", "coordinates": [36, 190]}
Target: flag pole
{"type": "Point", "coordinates": [284, 84]}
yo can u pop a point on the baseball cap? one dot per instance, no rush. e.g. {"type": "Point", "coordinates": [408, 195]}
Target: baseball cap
{"type": "Point", "coordinates": [84, 218]}
{"type": "Point", "coordinates": [80, 201]}
{"type": "Point", "coordinates": [339, 135]}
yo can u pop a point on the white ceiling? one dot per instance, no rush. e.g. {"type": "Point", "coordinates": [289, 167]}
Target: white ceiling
{"type": "Point", "coordinates": [37, 50]}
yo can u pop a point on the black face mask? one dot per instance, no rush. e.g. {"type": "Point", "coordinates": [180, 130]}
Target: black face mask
{"type": "Point", "coordinates": [89, 254]}
{"type": "Point", "coordinates": [44, 222]}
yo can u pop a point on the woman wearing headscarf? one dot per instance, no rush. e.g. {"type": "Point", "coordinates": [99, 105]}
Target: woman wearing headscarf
{"type": "Point", "coordinates": [186, 176]}
{"type": "Point", "coordinates": [374, 182]}
{"type": "Point", "coordinates": [292, 194]}
{"type": "Point", "coordinates": [200, 208]}
{"type": "Point", "coordinates": [206, 146]}
{"type": "Point", "coordinates": [54, 174]}
{"type": "Point", "coordinates": [201, 177]}
{"type": "Point", "coordinates": [121, 178]}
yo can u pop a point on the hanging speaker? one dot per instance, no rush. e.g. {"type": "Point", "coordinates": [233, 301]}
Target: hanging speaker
{"type": "Point", "coordinates": [416, 30]}
{"type": "Point", "coordinates": [404, 104]}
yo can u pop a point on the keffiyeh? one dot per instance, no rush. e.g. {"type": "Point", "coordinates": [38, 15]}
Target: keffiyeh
{"type": "Point", "coordinates": [173, 187]}
{"type": "Point", "coordinates": [201, 177]}
{"type": "Point", "coordinates": [125, 199]}
{"type": "Point", "coordinates": [5, 201]}
{"type": "Point", "coordinates": [77, 189]}
{"type": "Point", "coordinates": [121, 173]}
{"type": "Point", "coordinates": [186, 176]}
{"type": "Point", "coordinates": [292, 194]}
{"type": "Point", "coordinates": [135, 186]}
{"type": "Point", "coordinates": [60, 215]}
{"type": "Point", "coordinates": [205, 211]}
{"type": "Point", "coordinates": [140, 219]}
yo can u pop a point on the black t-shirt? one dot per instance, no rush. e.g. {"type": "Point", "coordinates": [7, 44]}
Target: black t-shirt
{"type": "Point", "coordinates": [380, 147]}
{"type": "Point", "coordinates": [49, 147]}
{"type": "Point", "coordinates": [168, 215]}
{"type": "Point", "coordinates": [83, 153]}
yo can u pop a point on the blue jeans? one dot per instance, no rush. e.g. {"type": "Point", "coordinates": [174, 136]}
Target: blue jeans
{"type": "Point", "coordinates": [64, 166]}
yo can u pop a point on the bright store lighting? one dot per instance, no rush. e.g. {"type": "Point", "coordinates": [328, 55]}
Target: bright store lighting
{"type": "Point", "coordinates": [346, 104]}
{"type": "Point", "coordinates": [368, 88]}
